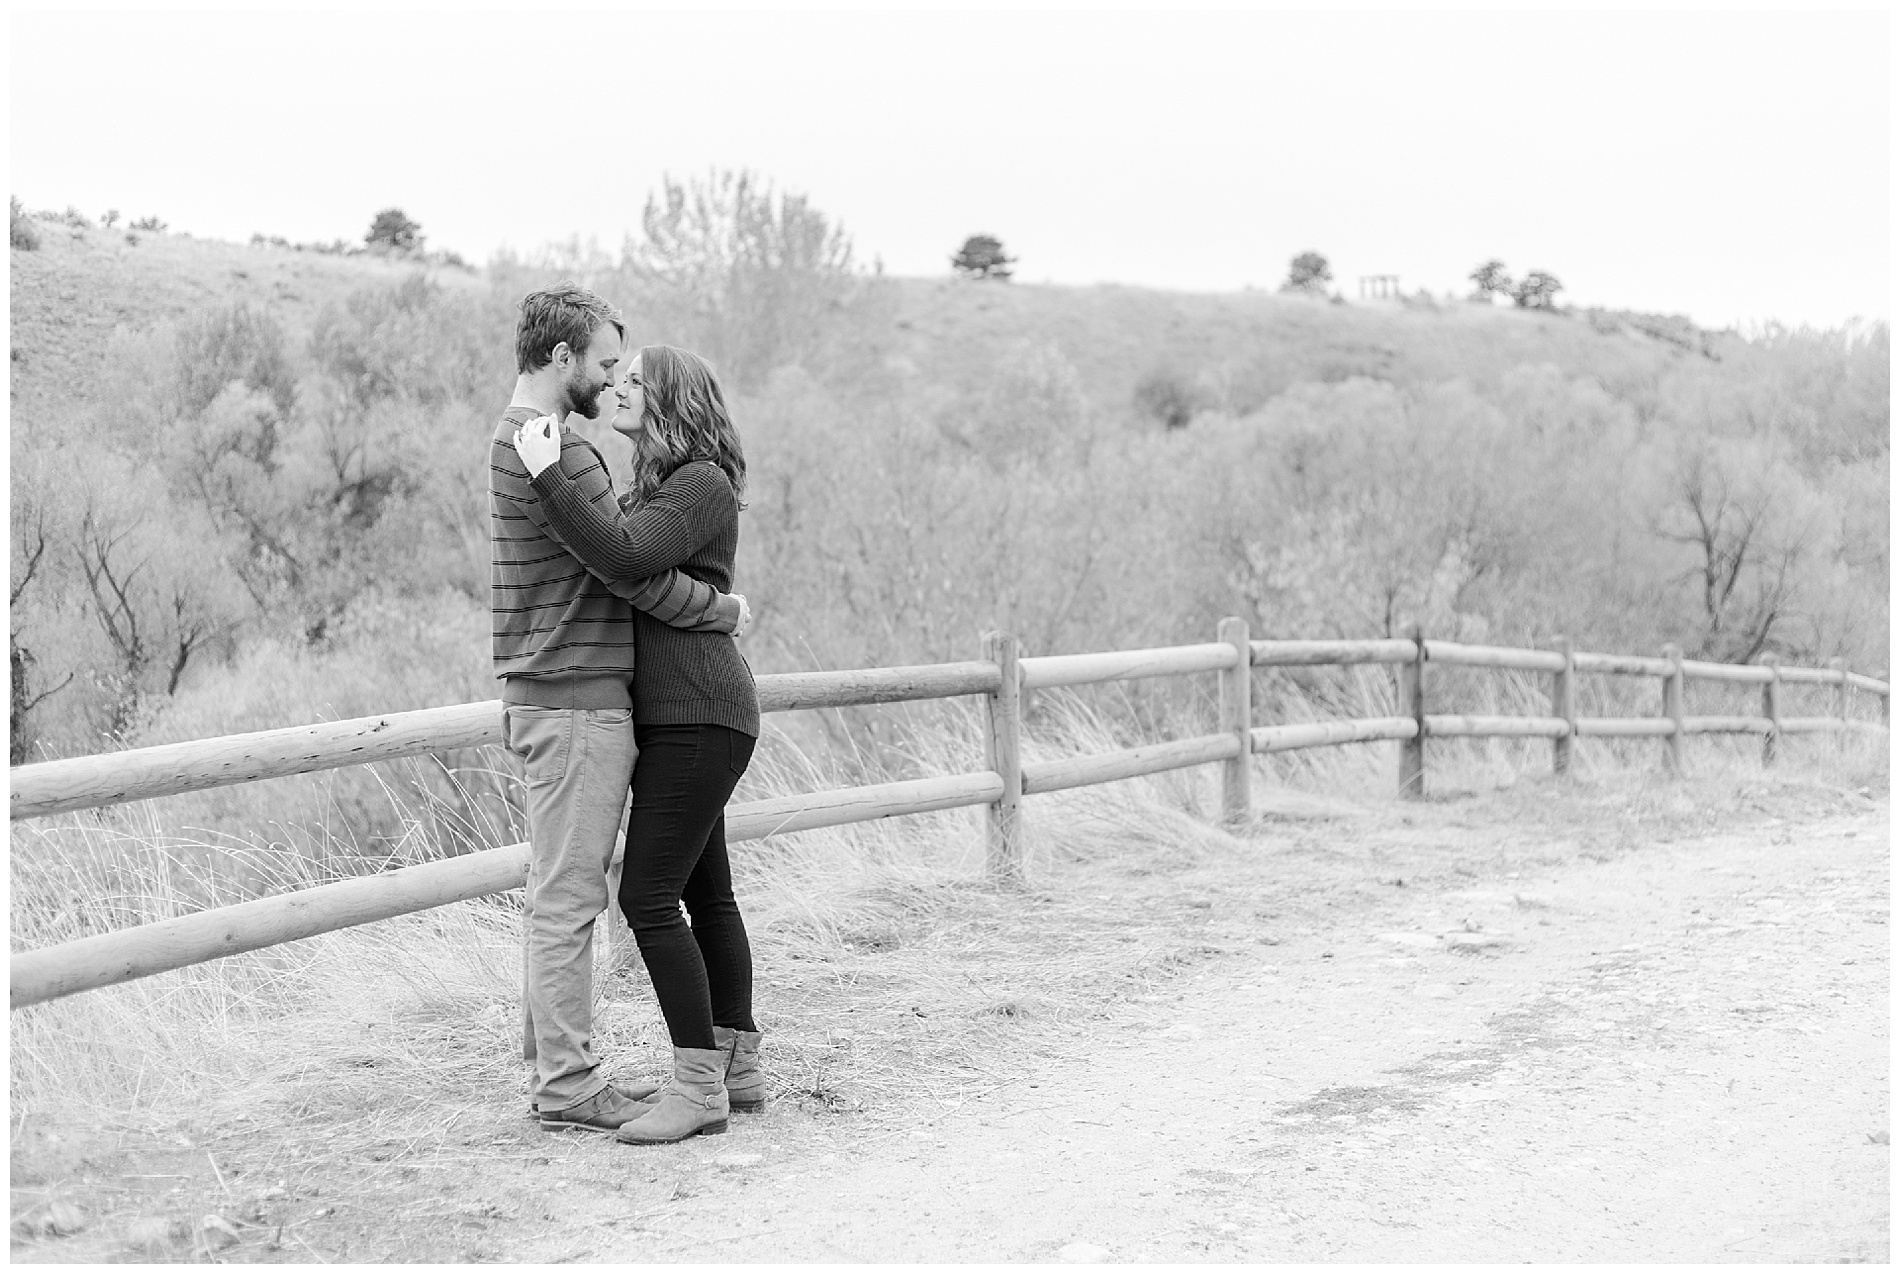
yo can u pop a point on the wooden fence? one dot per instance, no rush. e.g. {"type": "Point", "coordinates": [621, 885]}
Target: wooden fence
{"type": "Point", "coordinates": [999, 678]}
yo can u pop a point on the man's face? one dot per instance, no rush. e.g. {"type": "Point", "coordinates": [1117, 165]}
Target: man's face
{"type": "Point", "coordinates": [592, 373]}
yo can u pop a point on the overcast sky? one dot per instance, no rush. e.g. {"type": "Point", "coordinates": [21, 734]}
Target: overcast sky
{"type": "Point", "coordinates": [1730, 166]}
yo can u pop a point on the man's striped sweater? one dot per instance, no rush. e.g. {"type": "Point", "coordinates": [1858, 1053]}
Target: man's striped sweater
{"type": "Point", "coordinates": [562, 637]}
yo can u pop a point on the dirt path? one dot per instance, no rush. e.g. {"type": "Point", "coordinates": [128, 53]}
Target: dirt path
{"type": "Point", "coordinates": [1675, 1055]}
{"type": "Point", "coordinates": [1431, 1034]}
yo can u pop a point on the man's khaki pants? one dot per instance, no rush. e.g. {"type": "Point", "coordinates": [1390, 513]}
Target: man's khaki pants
{"type": "Point", "coordinates": [578, 763]}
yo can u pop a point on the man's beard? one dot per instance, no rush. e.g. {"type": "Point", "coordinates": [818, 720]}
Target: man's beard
{"type": "Point", "coordinates": [583, 397]}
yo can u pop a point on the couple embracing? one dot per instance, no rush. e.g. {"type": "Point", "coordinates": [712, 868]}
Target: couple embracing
{"type": "Point", "coordinates": [614, 637]}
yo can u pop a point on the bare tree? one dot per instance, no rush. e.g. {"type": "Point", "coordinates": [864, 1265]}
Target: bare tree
{"type": "Point", "coordinates": [1738, 505]}
{"type": "Point", "coordinates": [748, 273]}
{"type": "Point", "coordinates": [20, 660]}
{"type": "Point", "coordinates": [157, 606]}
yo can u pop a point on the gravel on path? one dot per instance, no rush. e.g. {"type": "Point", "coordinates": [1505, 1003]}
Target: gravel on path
{"type": "Point", "coordinates": [1678, 1054]}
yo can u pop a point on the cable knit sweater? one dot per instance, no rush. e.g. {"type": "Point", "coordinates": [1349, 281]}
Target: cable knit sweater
{"type": "Point", "coordinates": [692, 522]}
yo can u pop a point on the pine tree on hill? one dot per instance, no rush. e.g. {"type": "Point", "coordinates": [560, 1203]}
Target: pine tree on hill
{"type": "Point", "coordinates": [982, 257]}
{"type": "Point", "coordinates": [393, 231]}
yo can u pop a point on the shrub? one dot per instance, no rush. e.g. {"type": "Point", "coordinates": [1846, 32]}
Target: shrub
{"type": "Point", "coordinates": [1168, 399]}
{"type": "Point", "coordinates": [21, 232]}
{"type": "Point", "coordinates": [152, 224]}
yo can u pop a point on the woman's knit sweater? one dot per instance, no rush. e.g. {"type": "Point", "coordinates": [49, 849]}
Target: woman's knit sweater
{"type": "Point", "coordinates": [692, 522]}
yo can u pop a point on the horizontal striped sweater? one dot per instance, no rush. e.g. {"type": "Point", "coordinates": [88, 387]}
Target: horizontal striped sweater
{"type": "Point", "coordinates": [692, 522]}
{"type": "Point", "coordinates": [563, 638]}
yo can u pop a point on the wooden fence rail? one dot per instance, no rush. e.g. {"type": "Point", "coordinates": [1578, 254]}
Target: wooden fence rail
{"type": "Point", "coordinates": [1000, 678]}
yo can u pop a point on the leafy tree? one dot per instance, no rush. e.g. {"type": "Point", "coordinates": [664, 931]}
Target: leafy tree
{"type": "Point", "coordinates": [236, 343]}
{"type": "Point", "coordinates": [1308, 272]}
{"type": "Point", "coordinates": [1490, 280]}
{"type": "Point", "coordinates": [1538, 291]}
{"type": "Point", "coordinates": [377, 344]}
{"type": "Point", "coordinates": [982, 257]}
{"type": "Point", "coordinates": [393, 231]}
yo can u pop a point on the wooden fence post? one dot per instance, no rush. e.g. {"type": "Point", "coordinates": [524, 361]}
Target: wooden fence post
{"type": "Point", "coordinates": [1004, 853]}
{"type": "Point", "coordinates": [1840, 696]}
{"type": "Point", "coordinates": [1236, 718]}
{"type": "Point", "coordinates": [1672, 708]}
{"type": "Point", "coordinates": [1563, 703]}
{"type": "Point", "coordinates": [1412, 704]}
{"type": "Point", "coordinates": [1771, 708]}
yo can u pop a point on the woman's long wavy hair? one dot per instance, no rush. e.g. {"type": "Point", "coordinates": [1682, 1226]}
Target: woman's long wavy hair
{"type": "Point", "coordinates": [684, 419]}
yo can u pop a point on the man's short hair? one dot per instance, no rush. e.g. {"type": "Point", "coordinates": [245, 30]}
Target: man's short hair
{"type": "Point", "coordinates": [564, 312]}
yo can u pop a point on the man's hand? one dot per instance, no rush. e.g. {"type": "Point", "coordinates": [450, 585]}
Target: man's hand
{"type": "Point", "coordinates": [745, 616]}
{"type": "Point", "coordinates": [538, 443]}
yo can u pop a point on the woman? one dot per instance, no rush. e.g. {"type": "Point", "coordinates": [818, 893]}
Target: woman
{"type": "Point", "coordinates": [696, 719]}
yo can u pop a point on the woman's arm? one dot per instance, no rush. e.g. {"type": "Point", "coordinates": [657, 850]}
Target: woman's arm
{"type": "Point", "coordinates": [690, 508]}
{"type": "Point", "coordinates": [680, 601]}
{"type": "Point", "coordinates": [670, 596]}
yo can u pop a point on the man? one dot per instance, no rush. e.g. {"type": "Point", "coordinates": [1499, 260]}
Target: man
{"type": "Point", "coordinates": [564, 649]}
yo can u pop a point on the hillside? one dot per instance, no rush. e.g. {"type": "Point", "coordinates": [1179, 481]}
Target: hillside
{"type": "Point", "coordinates": [1246, 347]}
{"type": "Point", "coordinates": [281, 452]}
{"type": "Point", "coordinates": [80, 286]}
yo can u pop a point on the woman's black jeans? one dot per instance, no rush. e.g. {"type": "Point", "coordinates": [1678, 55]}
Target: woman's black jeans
{"type": "Point", "coordinates": [676, 852]}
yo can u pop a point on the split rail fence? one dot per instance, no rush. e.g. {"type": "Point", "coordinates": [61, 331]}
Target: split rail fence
{"type": "Point", "coordinates": [1000, 677]}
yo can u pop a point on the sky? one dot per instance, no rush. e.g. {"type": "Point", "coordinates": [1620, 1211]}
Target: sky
{"type": "Point", "coordinates": [1730, 166]}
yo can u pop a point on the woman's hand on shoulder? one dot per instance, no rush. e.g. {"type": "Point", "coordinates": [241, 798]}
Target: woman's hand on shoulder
{"type": "Point", "coordinates": [538, 443]}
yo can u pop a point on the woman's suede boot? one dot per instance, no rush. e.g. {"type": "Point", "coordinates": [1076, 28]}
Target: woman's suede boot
{"type": "Point", "coordinates": [693, 1101]}
{"type": "Point", "coordinates": [745, 1082]}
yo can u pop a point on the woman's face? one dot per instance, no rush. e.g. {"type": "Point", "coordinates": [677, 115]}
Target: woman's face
{"type": "Point", "coordinates": [631, 394]}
